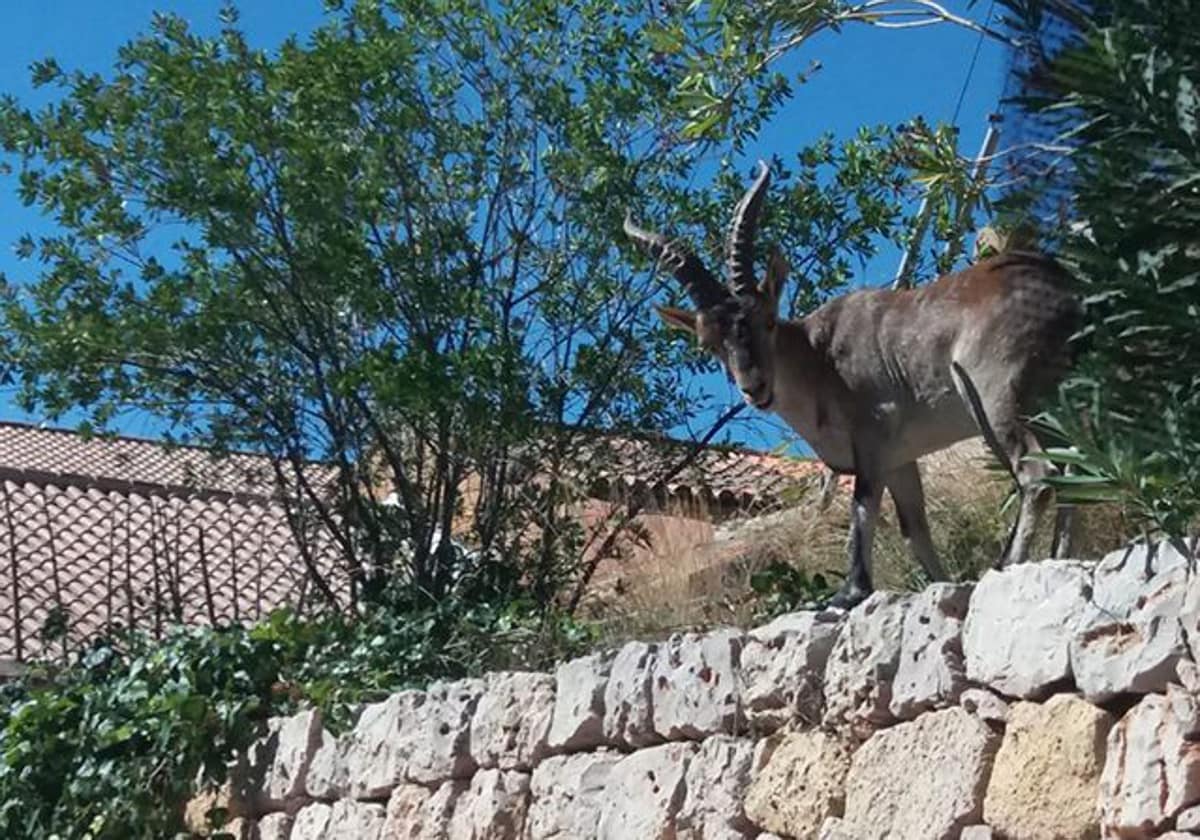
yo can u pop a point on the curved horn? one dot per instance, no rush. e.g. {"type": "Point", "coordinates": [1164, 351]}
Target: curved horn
{"type": "Point", "coordinates": [739, 247]}
{"type": "Point", "coordinates": [701, 286]}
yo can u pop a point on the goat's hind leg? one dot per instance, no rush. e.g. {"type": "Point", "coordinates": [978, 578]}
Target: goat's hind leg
{"type": "Point", "coordinates": [904, 484]}
{"type": "Point", "coordinates": [1011, 441]}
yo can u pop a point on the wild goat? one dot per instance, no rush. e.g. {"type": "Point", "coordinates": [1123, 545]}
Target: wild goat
{"type": "Point", "coordinates": [876, 378]}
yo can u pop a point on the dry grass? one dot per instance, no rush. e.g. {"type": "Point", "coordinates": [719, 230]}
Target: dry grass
{"type": "Point", "coordinates": [969, 509]}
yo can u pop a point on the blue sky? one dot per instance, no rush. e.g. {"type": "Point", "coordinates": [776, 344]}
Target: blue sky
{"type": "Point", "coordinates": [867, 77]}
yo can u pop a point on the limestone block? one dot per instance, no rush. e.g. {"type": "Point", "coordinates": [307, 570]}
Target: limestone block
{"type": "Point", "coordinates": [931, 673]}
{"type": "Point", "coordinates": [272, 776]}
{"type": "Point", "coordinates": [835, 828]}
{"type": "Point", "coordinates": [863, 663]}
{"type": "Point", "coordinates": [783, 668]}
{"type": "Point", "coordinates": [1152, 767]}
{"type": "Point", "coordinates": [312, 822]}
{"type": "Point", "coordinates": [351, 820]}
{"type": "Point", "coordinates": [921, 780]}
{"type": "Point", "coordinates": [800, 785]}
{"type": "Point", "coordinates": [628, 717]}
{"type": "Point", "coordinates": [977, 832]}
{"type": "Point", "coordinates": [415, 812]}
{"type": "Point", "coordinates": [213, 804]}
{"type": "Point", "coordinates": [1020, 623]}
{"type": "Point", "coordinates": [578, 719]}
{"type": "Point", "coordinates": [277, 826]}
{"type": "Point", "coordinates": [694, 685]}
{"type": "Point", "coordinates": [438, 742]}
{"type": "Point", "coordinates": [715, 785]}
{"type": "Point", "coordinates": [566, 794]}
{"type": "Point", "coordinates": [326, 776]}
{"type": "Point", "coordinates": [494, 807]}
{"type": "Point", "coordinates": [1046, 776]}
{"type": "Point", "coordinates": [985, 705]}
{"type": "Point", "coordinates": [512, 720]}
{"type": "Point", "coordinates": [374, 755]}
{"type": "Point", "coordinates": [644, 794]}
{"type": "Point", "coordinates": [1130, 637]}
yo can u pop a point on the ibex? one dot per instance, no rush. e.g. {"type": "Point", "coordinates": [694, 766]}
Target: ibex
{"type": "Point", "coordinates": [876, 378]}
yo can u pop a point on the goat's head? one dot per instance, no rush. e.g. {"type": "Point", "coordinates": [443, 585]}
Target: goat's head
{"type": "Point", "coordinates": [735, 322]}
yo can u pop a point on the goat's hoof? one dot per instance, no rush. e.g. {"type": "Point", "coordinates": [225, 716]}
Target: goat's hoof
{"type": "Point", "coordinates": [848, 597]}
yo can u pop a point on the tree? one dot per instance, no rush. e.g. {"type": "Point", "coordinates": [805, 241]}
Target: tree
{"type": "Point", "coordinates": [394, 247]}
{"type": "Point", "coordinates": [1122, 97]}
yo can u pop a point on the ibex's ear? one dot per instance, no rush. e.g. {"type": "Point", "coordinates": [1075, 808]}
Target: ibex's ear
{"type": "Point", "coordinates": [777, 272]}
{"type": "Point", "coordinates": [681, 319]}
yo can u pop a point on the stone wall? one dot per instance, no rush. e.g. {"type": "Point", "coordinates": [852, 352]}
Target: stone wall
{"type": "Point", "coordinates": [1051, 700]}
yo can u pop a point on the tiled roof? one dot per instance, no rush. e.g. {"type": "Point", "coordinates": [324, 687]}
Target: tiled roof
{"type": "Point", "coordinates": [729, 477]}
{"type": "Point", "coordinates": [123, 531]}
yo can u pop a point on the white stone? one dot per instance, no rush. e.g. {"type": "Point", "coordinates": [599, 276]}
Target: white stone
{"type": "Point", "coordinates": [278, 762]}
{"type": "Point", "coordinates": [863, 663]}
{"type": "Point", "coordinates": [493, 807]}
{"type": "Point", "coordinates": [931, 673]}
{"type": "Point", "coordinates": [350, 820]}
{"type": "Point", "coordinates": [326, 776]}
{"type": "Point", "coordinates": [783, 667]}
{"type": "Point", "coordinates": [628, 717]}
{"type": "Point", "coordinates": [512, 720]}
{"type": "Point", "coordinates": [1152, 768]}
{"type": "Point", "coordinates": [373, 756]}
{"type": "Point", "coordinates": [277, 826]}
{"type": "Point", "coordinates": [835, 828]}
{"type": "Point", "coordinates": [312, 822]}
{"type": "Point", "coordinates": [415, 812]}
{"type": "Point", "coordinates": [644, 794]}
{"type": "Point", "coordinates": [438, 742]}
{"type": "Point", "coordinates": [715, 789]}
{"type": "Point", "coordinates": [798, 782]}
{"type": "Point", "coordinates": [977, 832]}
{"type": "Point", "coordinates": [694, 685]}
{"type": "Point", "coordinates": [1130, 638]}
{"type": "Point", "coordinates": [985, 705]}
{"type": "Point", "coordinates": [921, 780]}
{"type": "Point", "coordinates": [566, 795]}
{"type": "Point", "coordinates": [578, 719]}
{"type": "Point", "coordinates": [1019, 626]}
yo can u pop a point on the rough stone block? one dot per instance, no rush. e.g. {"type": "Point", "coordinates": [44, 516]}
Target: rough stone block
{"type": "Point", "coordinates": [863, 663]}
{"type": "Point", "coordinates": [277, 826]}
{"type": "Point", "coordinates": [578, 719]}
{"type": "Point", "coordinates": [801, 784]}
{"type": "Point", "coordinates": [644, 794]}
{"type": "Point", "coordinates": [1046, 776]}
{"type": "Point", "coordinates": [1152, 767]}
{"type": "Point", "coordinates": [1020, 623]}
{"type": "Point", "coordinates": [438, 742]}
{"type": "Point", "coordinates": [374, 755]}
{"type": "Point", "coordinates": [628, 715]}
{"type": "Point", "coordinates": [351, 820]}
{"type": "Point", "coordinates": [694, 685]}
{"type": "Point", "coordinates": [494, 807]}
{"type": "Point", "coordinates": [326, 776]}
{"type": "Point", "coordinates": [512, 720]}
{"type": "Point", "coordinates": [312, 822]}
{"type": "Point", "coordinates": [931, 673]}
{"type": "Point", "coordinates": [415, 812]}
{"type": "Point", "coordinates": [921, 780]}
{"type": "Point", "coordinates": [715, 785]}
{"type": "Point", "coordinates": [783, 668]}
{"type": "Point", "coordinates": [566, 794]}
{"type": "Point", "coordinates": [1130, 638]}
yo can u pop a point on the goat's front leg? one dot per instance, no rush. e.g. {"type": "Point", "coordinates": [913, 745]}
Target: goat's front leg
{"type": "Point", "coordinates": [904, 483]}
{"type": "Point", "coordinates": [864, 510]}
